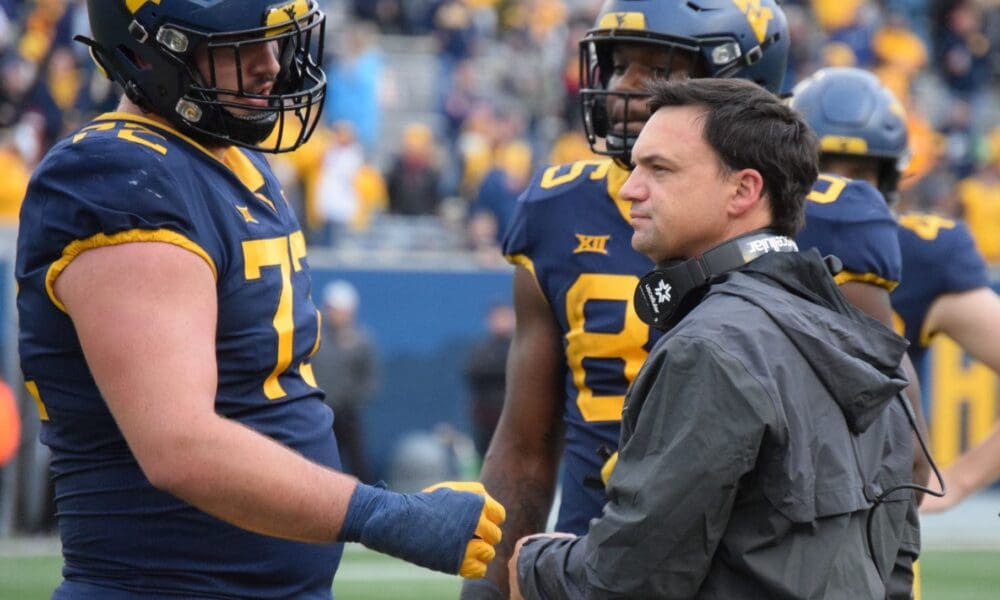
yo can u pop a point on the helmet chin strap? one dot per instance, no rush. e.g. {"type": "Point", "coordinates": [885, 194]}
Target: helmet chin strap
{"type": "Point", "coordinates": [620, 149]}
{"type": "Point", "coordinates": [251, 129]}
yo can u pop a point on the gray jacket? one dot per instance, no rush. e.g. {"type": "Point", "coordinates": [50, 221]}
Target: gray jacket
{"type": "Point", "coordinates": [755, 440]}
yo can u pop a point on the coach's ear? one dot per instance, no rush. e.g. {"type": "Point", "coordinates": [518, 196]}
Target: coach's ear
{"type": "Point", "coordinates": [747, 192]}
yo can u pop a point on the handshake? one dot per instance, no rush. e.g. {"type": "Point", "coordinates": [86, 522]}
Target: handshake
{"type": "Point", "coordinates": [449, 527]}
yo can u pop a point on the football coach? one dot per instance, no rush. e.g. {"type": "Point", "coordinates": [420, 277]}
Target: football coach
{"type": "Point", "coordinates": [765, 448]}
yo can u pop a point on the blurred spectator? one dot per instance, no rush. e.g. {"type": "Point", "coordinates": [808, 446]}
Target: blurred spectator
{"type": "Point", "coordinates": [509, 71]}
{"type": "Point", "coordinates": [299, 172]}
{"type": "Point", "coordinates": [962, 48]}
{"type": "Point", "coordinates": [850, 24]}
{"type": "Point", "coordinates": [805, 41]}
{"type": "Point", "coordinates": [303, 177]}
{"type": "Point", "coordinates": [979, 197]}
{"type": "Point", "coordinates": [64, 81]}
{"type": "Point", "coordinates": [461, 98]}
{"type": "Point", "coordinates": [486, 375]}
{"type": "Point", "coordinates": [959, 139]}
{"type": "Point", "coordinates": [388, 14]}
{"type": "Point", "coordinates": [414, 177]}
{"type": "Point", "coordinates": [358, 84]}
{"type": "Point", "coordinates": [900, 55]}
{"type": "Point", "coordinates": [502, 185]}
{"type": "Point", "coordinates": [571, 146]}
{"type": "Point", "coordinates": [17, 76]}
{"type": "Point", "coordinates": [337, 202]}
{"type": "Point", "coordinates": [455, 31]}
{"type": "Point", "coordinates": [373, 196]}
{"type": "Point", "coordinates": [926, 149]}
{"type": "Point", "coordinates": [475, 150]}
{"type": "Point", "coordinates": [345, 369]}
{"type": "Point", "coordinates": [20, 149]}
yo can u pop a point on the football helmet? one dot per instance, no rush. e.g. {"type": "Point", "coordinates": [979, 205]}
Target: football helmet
{"type": "Point", "coordinates": [728, 38]}
{"type": "Point", "coordinates": [152, 49]}
{"type": "Point", "coordinates": [853, 114]}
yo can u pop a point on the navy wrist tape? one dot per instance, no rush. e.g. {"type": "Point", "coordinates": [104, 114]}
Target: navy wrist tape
{"type": "Point", "coordinates": [428, 529]}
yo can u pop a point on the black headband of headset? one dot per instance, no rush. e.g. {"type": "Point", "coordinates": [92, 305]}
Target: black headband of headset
{"type": "Point", "coordinates": [665, 294]}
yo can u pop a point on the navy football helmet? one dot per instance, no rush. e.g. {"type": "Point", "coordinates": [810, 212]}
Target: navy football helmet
{"type": "Point", "coordinates": [854, 115]}
{"type": "Point", "coordinates": [150, 48]}
{"type": "Point", "coordinates": [747, 39]}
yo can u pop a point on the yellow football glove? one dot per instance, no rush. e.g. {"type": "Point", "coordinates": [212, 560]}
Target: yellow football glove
{"type": "Point", "coordinates": [479, 551]}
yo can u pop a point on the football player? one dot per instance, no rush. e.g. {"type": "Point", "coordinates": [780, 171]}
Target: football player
{"type": "Point", "coordinates": [944, 285]}
{"type": "Point", "coordinates": [578, 342]}
{"type": "Point", "coordinates": [847, 214]}
{"type": "Point", "coordinates": [167, 325]}
{"type": "Point", "coordinates": [945, 282]}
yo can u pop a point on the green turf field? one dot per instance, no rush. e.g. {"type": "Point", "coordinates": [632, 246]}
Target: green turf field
{"type": "Point", "coordinates": [364, 575]}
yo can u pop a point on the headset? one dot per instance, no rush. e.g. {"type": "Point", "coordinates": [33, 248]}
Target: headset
{"type": "Point", "coordinates": [667, 293]}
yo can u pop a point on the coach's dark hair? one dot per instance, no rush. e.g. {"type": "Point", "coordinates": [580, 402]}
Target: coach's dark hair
{"type": "Point", "coordinates": [750, 128]}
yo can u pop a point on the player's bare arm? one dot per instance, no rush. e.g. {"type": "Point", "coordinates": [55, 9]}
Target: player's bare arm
{"type": "Point", "coordinates": [972, 319]}
{"type": "Point", "coordinates": [520, 467]}
{"type": "Point", "coordinates": [144, 313]}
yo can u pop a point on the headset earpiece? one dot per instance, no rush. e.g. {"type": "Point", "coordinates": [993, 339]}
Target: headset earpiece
{"type": "Point", "coordinates": [670, 291]}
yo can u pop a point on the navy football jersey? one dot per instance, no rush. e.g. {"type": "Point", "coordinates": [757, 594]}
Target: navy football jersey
{"type": "Point", "coordinates": [573, 234]}
{"type": "Point", "coordinates": [939, 257]}
{"type": "Point", "coordinates": [124, 179]}
{"type": "Point", "coordinates": [849, 219]}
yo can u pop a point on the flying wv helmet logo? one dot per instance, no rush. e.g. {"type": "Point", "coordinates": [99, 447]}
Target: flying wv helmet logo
{"type": "Point", "coordinates": [759, 17]}
{"type": "Point", "coordinates": [281, 17]}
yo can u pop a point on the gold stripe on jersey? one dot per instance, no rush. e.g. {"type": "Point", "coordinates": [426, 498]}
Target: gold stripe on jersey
{"type": "Point", "coordinates": [234, 159]}
{"type": "Point", "coordinates": [845, 276]}
{"type": "Point", "coordinates": [616, 179]}
{"type": "Point", "coordinates": [525, 261]}
{"type": "Point", "coordinates": [122, 116]}
{"type": "Point", "coordinates": [32, 387]}
{"type": "Point", "coordinates": [101, 240]}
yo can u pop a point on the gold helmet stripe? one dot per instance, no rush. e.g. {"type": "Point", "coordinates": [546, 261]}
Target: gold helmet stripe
{"type": "Point", "coordinates": [623, 20]}
{"type": "Point", "coordinates": [285, 13]}
{"type": "Point", "coordinates": [839, 144]}
{"type": "Point", "coordinates": [133, 6]}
